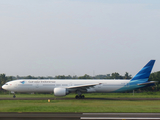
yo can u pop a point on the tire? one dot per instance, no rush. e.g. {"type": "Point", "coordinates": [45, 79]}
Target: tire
{"type": "Point", "coordinates": [83, 96]}
{"type": "Point", "coordinates": [77, 97]}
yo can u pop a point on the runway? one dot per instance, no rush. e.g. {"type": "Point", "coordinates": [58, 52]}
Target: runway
{"type": "Point", "coordinates": [46, 98]}
{"type": "Point", "coordinates": [80, 116]}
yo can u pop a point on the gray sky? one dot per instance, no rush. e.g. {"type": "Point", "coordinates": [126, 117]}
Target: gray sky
{"type": "Point", "coordinates": [77, 37]}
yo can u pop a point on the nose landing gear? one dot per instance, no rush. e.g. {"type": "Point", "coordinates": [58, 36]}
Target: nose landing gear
{"type": "Point", "coordinates": [14, 96]}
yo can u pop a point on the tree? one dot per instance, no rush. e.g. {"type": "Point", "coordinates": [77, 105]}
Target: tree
{"type": "Point", "coordinates": [100, 76]}
{"type": "Point", "coordinates": [60, 77]}
{"type": "Point", "coordinates": [154, 76]}
{"type": "Point", "coordinates": [85, 77]}
{"type": "Point", "coordinates": [127, 76]}
{"type": "Point", "coordinates": [116, 76]}
{"type": "Point", "coordinates": [29, 77]}
{"type": "Point", "coordinates": [3, 79]}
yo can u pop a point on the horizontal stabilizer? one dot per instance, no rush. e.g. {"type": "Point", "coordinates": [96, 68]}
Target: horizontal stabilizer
{"type": "Point", "coordinates": [150, 82]}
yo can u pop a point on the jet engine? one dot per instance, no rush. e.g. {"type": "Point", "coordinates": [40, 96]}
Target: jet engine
{"type": "Point", "coordinates": [60, 91]}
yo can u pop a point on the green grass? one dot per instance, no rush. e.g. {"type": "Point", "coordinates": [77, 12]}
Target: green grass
{"type": "Point", "coordinates": [78, 106]}
{"type": "Point", "coordinates": [92, 95]}
{"type": "Point", "coordinates": [82, 105]}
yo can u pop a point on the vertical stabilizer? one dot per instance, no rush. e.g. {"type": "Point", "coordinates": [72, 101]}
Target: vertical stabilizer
{"type": "Point", "coordinates": [145, 72]}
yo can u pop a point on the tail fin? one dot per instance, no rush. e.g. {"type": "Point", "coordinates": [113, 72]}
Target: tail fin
{"type": "Point", "coordinates": [145, 72]}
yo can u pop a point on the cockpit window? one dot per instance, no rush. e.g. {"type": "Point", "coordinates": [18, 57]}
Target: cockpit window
{"type": "Point", "coordinates": [6, 84]}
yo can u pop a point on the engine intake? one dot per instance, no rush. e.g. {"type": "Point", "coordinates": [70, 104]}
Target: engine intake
{"type": "Point", "coordinates": [60, 91]}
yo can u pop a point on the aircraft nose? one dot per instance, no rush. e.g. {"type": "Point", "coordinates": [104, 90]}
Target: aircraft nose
{"type": "Point", "coordinates": [3, 87]}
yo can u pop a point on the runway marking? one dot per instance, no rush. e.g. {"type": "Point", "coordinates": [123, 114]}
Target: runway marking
{"type": "Point", "coordinates": [121, 113]}
{"type": "Point", "coordinates": [117, 118]}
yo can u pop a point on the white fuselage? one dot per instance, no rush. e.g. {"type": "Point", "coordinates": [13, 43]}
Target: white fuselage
{"type": "Point", "coordinates": [46, 85]}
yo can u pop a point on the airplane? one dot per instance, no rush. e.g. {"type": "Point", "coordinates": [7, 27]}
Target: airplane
{"type": "Point", "coordinates": [64, 87]}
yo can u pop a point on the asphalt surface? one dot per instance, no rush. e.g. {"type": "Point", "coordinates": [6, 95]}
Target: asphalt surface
{"type": "Point", "coordinates": [46, 98]}
{"type": "Point", "coordinates": [80, 116]}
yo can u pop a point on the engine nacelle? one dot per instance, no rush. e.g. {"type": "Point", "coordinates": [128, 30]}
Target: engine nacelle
{"type": "Point", "coordinates": [60, 91]}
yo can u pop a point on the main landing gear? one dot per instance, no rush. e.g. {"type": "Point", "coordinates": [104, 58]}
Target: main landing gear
{"type": "Point", "coordinates": [79, 96]}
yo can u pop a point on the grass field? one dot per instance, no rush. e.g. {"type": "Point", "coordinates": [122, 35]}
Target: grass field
{"type": "Point", "coordinates": [93, 95]}
{"type": "Point", "coordinates": [83, 105]}
{"type": "Point", "coordinates": [78, 106]}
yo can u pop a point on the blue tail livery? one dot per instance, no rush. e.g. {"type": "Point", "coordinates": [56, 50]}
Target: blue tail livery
{"type": "Point", "coordinates": [145, 72]}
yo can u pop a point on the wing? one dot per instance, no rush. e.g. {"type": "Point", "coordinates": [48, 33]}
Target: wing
{"type": "Point", "coordinates": [85, 86]}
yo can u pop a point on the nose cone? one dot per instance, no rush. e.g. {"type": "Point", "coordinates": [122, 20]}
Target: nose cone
{"type": "Point", "coordinates": [3, 87]}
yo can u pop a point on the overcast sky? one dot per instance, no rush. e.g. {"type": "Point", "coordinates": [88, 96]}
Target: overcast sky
{"type": "Point", "coordinates": [77, 37]}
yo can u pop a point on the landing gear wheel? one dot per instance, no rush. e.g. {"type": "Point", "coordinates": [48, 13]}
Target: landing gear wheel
{"type": "Point", "coordinates": [79, 96]}
{"type": "Point", "coordinates": [83, 97]}
{"type": "Point", "coordinates": [14, 96]}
